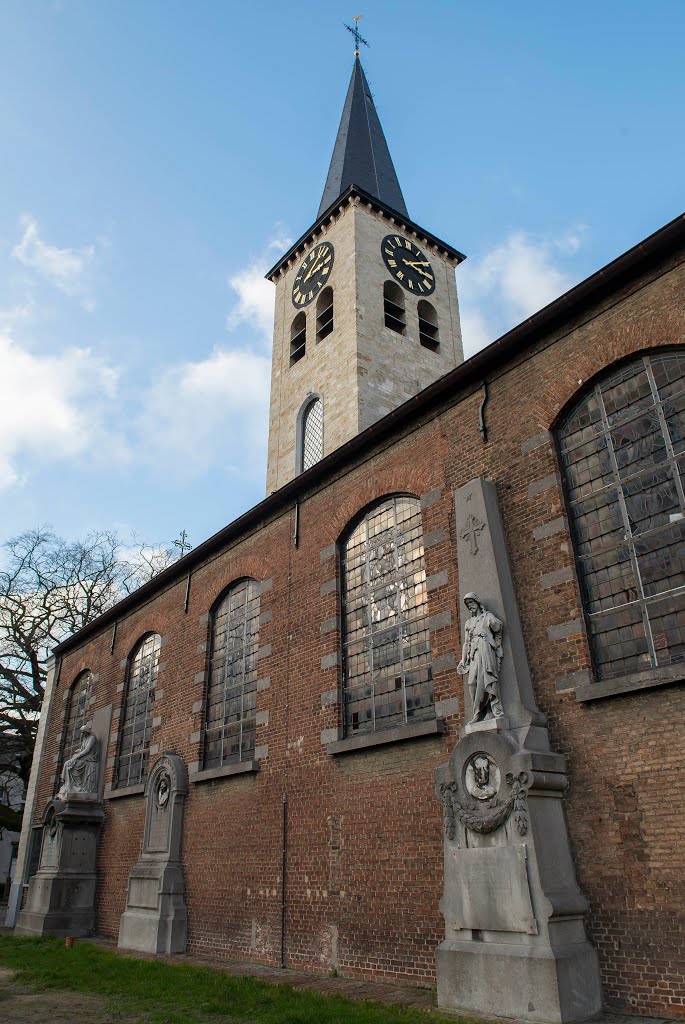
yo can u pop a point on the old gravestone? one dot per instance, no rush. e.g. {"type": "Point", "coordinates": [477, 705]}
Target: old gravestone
{"type": "Point", "coordinates": [61, 894]}
{"type": "Point", "coordinates": [156, 918]}
{"type": "Point", "coordinates": [515, 942]}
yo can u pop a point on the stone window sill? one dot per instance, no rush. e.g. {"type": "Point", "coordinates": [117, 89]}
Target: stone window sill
{"type": "Point", "coordinates": [114, 794]}
{"type": "Point", "coordinates": [632, 683]}
{"type": "Point", "coordinates": [410, 731]}
{"type": "Point", "coordinates": [226, 770]}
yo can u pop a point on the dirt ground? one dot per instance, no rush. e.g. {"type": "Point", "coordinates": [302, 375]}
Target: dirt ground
{"type": "Point", "coordinates": [19, 1005]}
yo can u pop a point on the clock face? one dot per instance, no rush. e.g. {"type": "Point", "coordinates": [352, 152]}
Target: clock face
{"type": "Point", "coordinates": [408, 265]}
{"type": "Point", "coordinates": [313, 274]}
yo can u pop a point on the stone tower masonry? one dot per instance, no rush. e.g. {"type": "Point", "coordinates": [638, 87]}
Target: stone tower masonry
{"type": "Point", "coordinates": [362, 369]}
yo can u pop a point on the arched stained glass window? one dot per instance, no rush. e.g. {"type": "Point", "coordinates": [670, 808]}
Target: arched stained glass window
{"type": "Point", "coordinates": [232, 687]}
{"type": "Point", "coordinates": [312, 434]}
{"type": "Point", "coordinates": [77, 715]}
{"type": "Point", "coordinates": [387, 676]}
{"type": "Point", "coordinates": [622, 450]}
{"type": "Point", "coordinates": [136, 723]}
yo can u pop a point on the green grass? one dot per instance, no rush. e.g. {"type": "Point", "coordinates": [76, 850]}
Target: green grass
{"type": "Point", "coordinates": [185, 994]}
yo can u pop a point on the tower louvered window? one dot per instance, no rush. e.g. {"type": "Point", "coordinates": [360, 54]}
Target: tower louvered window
{"type": "Point", "coordinates": [428, 326]}
{"type": "Point", "coordinates": [312, 434]}
{"type": "Point", "coordinates": [298, 338]}
{"type": "Point", "coordinates": [77, 715]}
{"type": "Point", "coordinates": [622, 450]}
{"type": "Point", "coordinates": [324, 314]}
{"type": "Point", "coordinates": [232, 688]}
{"type": "Point", "coordinates": [136, 728]}
{"type": "Point", "coordinates": [393, 307]}
{"type": "Point", "coordinates": [387, 657]}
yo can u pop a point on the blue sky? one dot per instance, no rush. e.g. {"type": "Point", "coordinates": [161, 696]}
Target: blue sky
{"type": "Point", "coordinates": [156, 158]}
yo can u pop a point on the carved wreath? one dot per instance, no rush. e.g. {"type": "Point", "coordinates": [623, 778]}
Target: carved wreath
{"type": "Point", "coordinates": [477, 822]}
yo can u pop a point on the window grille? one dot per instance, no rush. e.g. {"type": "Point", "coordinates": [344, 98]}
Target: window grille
{"type": "Point", "coordinates": [232, 687]}
{"type": "Point", "coordinates": [428, 326]}
{"type": "Point", "coordinates": [324, 314]}
{"type": "Point", "coordinates": [622, 450]}
{"type": "Point", "coordinates": [393, 307]}
{"type": "Point", "coordinates": [312, 434]}
{"type": "Point", "coordinates": [131, 768]}
{"type": "Point", "coordinates": [298, 338]}
{"type": "Point", "coordinates": [387, 658]}
{"type": "Point", "coordinates": [77, 714]}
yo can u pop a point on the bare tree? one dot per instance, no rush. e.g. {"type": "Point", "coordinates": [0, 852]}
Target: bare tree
{"type": "Point", "coordinates": [49, 589]}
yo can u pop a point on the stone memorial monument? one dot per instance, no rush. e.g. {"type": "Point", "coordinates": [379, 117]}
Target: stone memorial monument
{"type": "Point", "coordinates": [61, 895]}
{"type": "Point", "coordinates": [515, 941]}
{"type": "Point", "coordinates": [156, 918]}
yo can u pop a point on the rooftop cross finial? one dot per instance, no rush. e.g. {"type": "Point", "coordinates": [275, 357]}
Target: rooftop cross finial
{"type": "Point", "coordinates": [183, 543]}
{"type": "Point", "coordinates": [355, 32]}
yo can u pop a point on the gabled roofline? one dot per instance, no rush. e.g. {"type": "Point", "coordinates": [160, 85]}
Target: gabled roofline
{"type": "Point", "coordinates": [298, 248]}
{"type": "Point", "coordinates": [620, 271]}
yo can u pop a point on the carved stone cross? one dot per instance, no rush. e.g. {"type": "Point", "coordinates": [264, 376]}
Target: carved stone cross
{"type": "Point", "coordinates": [472, 528]}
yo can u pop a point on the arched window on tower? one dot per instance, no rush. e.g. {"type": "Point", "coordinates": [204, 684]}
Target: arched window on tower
{"type": "Point", "coordinates": [77, 715]}
{"type": "Point", "coordinates": [428, 326]}
{"type": "Point", "coordinates": [136, 720]}
{"type": "Point", "coordinates": [298, 337]}
{"type": "Point", "coordinates": [324, 314]}
{"type": "Point", "coordinates": [393, 307]}
{"type": "Point", "coordinates": [232, 689]}
{"type": "Point", "coordinates": [310, 440]}
{"type": "Point", "coordinates": [622, 452]}
{"type": "Point", "coordinates": [387, 676]}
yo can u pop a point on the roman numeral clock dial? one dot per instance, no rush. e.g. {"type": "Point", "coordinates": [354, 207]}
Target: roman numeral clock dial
{"type": "Point", "coordinates": [313, 274]}
{"type": "Point", "coordinates": [408, 265]}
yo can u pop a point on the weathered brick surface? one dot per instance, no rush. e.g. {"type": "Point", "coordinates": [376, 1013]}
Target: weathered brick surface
{"type": "Point", "coordinates": [364, 841]}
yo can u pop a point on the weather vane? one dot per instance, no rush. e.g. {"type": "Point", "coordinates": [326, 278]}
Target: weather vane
{"type": "Point", "coordinates": [355, 32]}
{"type": "Point", "coordinates": [183, 543]}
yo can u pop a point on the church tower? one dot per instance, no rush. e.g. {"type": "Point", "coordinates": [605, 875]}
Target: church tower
{"type": "Point", "coordinates": [366, 303]}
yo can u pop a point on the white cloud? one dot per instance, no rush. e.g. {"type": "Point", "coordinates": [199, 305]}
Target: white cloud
{"type": "Point", "coordinates": [255, 305]}
{"type": "Point", "coordinates": [209, 413]}
{"type": "Point", "coordinates": [51, 407]}
{"type": "Point", "coordinates": [67, 269]}
{"type": "Point", "coordinates": [512, 281]}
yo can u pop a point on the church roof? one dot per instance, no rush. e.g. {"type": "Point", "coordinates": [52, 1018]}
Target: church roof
{"type": "Point", "coordinates": [361, 155]}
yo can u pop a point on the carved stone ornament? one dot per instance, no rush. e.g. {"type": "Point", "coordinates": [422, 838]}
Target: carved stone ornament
{"type": "Point", "coordinates": [163, 790]}
{"type": "Point", "coordinates": [80, 772]}
{"type": "Point", "coordinates": [481, 658]}
{"type": "Point", "coordinates": [485, 817]}
{"type": "Point", "coordinates": [482, 776]}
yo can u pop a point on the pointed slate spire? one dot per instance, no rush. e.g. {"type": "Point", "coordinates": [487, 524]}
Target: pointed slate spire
{"type": "Point", "coordinates": [361, 155]}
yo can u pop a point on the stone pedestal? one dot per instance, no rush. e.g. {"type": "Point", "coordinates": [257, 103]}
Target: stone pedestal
{"type": "Point", "coordinates": [515, 943]}
{"type": "Point", "coordinates": [61, 895]}
{"type": "Point", "coordinates": [156, 918]}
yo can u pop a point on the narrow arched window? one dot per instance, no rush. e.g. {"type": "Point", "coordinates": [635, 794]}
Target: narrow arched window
{"type": "Point", "coordinates": [393, 307]}
{"type": "Point", "coordinates": [324, 314]}
{"type": "Point", "coordinates": [428, 326]}
{"type": "Point", "coordinates": [311, 435]}
{"type": "Point", "coordinates": [622, 451]}
{"type": "Point", "coordinates": [387, 676]}
{"type": "Point", "coordinates": [136, 719]}
{"type": "Point", "coordinates": [232, 687]}
{"type": "Point", "coordinates": [78, 702]}
{"type": "Point", "coordinates": [298, 337]}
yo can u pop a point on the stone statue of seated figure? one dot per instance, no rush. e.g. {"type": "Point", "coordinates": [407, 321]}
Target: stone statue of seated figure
{"type": "Point", "coordinates": [80, 772]}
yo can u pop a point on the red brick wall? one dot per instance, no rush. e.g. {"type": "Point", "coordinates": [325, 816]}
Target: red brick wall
{"type": "Point", "coordinates": [364, 851]}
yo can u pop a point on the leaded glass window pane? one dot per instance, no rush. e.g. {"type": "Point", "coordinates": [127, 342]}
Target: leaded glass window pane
{"type": "Point", "coordinates": [386, 647]}
{"type": "Point", "coordinates": [136, 726]}
{"type": "Point", "coordinates": [232, 689]}
{"type": "Point", "coordinates": [312, 434]}
{"type": "Point", "coordinates": [621, 452]}
{"type": "Point", "coordinates": [77, 715]}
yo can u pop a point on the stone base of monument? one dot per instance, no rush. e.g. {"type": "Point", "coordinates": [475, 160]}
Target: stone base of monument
{"type": "Point", "coordinates": [156, 919]}
{"type": "Point", "coordinates": [538, 983]}
{"type": "Point", "coordinates": [61, 896]}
